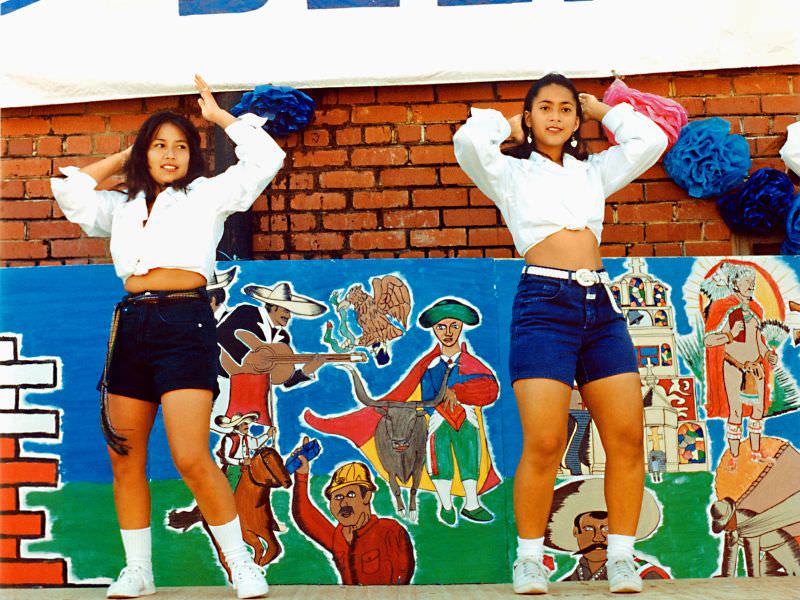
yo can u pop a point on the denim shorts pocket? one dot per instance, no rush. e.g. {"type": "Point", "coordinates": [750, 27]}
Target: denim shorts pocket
{"type": "Point", "coordinates": [183, 313]}
{"type": "Point", "coordinates": [538, 290]}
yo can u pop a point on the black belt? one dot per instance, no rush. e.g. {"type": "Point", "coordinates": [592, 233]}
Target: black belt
{"type": "Point", "coordinates": [114, 439]}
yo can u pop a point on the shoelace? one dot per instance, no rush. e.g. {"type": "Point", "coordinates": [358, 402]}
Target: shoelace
{"type": "Point", "coordinates": [532, 568]}
{"type": "Point", "coordinates": [134, 574]}
{"type": "Point", "coordinates": [245, 570]}
{"type": "Point", "coordinates": [624, 567]}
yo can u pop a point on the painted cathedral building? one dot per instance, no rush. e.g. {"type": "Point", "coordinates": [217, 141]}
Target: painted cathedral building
{"type": "Point", "coordinates": [675, 438]}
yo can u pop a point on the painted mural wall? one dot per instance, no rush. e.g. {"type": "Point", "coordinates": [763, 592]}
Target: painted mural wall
{"type": "Point", "coordinates": [333, 413]}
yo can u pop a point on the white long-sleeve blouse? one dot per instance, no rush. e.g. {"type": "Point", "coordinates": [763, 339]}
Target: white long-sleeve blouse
{"type": "Point", "coordinates": [184, 227]}
{"type": "Point", "coordinates": [538, 197]}
{"type": "Point", "coordinates": [790, 151]}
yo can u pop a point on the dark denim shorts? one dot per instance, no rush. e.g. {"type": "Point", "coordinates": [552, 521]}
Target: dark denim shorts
{"type": "Point", "coordinates": [164, 346]}
{"type": "Point", "coordinates": [561, 330]}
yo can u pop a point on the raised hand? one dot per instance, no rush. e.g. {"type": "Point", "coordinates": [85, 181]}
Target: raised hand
{"type": "Point", "coordinates": [517, 135]}
{"type": "Point", "coordinates": [593, 109]}
{"type": "Point", "coordinates": [303, 468]}
{"type": "Point", "coordinates": [209, 108]}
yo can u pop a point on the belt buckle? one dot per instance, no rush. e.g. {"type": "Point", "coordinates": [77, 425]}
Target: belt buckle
{"type": "Point", "coordinates": [586, 277]}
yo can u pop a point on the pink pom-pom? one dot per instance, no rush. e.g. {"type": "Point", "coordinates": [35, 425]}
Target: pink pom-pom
{"type": "Point", "coordinates": [667, 114]}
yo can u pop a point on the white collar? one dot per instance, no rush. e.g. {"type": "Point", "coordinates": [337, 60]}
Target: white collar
{"type": "Point", "coordinates": [569, 162]}
{"type": "Point", "coordinates": [270, 322]}
{"type": "Point", "coordinates": [443, 358]}
{"type": "Point", "coordinates": [221, 310]}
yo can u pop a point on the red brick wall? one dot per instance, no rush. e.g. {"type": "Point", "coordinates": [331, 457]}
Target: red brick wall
{"type": "Point", "coordinates": [375, 174]}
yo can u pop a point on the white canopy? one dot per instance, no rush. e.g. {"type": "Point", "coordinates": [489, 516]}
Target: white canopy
{"type": "Point", "coordinates": [58, 51]}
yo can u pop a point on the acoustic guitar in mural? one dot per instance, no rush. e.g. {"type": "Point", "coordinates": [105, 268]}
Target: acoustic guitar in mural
{"type": "Point", "coordinates": [276, 359]}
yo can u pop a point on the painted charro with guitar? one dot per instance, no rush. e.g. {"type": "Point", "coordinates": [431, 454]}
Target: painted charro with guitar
{"type": "Point", "coordinates": [256, 352]}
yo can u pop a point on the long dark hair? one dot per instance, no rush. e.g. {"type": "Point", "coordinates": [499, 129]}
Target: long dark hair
{"type": "Point", "coordinates": [524, 149]}
{"type": "Point", "coordinates": [137, 173]}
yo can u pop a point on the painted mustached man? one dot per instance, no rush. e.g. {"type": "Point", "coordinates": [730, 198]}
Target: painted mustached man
{"type": "Point", "coordinates": [366, 549]}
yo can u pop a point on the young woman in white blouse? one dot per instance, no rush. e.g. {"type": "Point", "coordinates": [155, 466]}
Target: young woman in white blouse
{"type": "Point", "coordinates": [566, 327]}
{"type": "Point", "coordinates": [164, 231]}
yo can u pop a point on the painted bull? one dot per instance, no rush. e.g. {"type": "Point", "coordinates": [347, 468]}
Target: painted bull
{"type": "Point", "coordinates": [400, 438]}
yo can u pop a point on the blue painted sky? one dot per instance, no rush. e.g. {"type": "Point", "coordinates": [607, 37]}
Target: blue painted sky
{"type": "Point", "coordinates": [66, 311]}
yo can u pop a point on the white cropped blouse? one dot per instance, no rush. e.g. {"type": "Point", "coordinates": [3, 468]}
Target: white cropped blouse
{"type": "Point", "coordinates": [538, 197]}
{"type": "Point", "coordinates": [184, 227]}
{"type": "Point", "coordinates": [790, 151]}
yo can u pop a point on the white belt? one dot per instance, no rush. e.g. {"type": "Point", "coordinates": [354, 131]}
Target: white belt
{"type": "Point", "coordinates": [584, 277]}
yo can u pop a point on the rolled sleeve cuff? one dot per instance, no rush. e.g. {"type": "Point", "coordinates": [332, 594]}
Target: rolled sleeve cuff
{"type": "Point", "coordinates": [614, 118]}
{"type": "Point", "coordinates": [491, 122]}
{"type": "Point", "coordinates": [790, 152]}
{"type": "Point", "coordinates": [243, 126]}
{"type": "Point", "coordinates": [75, 177]}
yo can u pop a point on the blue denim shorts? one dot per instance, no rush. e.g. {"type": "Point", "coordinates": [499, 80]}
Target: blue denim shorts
{"type": "Point", "coordinates": [164, 346]}
{"type": "Point", "coordinates": [564, 331]}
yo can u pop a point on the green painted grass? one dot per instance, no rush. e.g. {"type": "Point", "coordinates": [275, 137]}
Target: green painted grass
{"type": "Point", "coordinates": [84, 528]}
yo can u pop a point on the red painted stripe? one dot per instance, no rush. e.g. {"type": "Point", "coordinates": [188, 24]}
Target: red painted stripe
{"type": "Point", "coordinates": [28, 472]}
{"type": "Point", "coordinates": [8, 447]}
{"type": "Point", "coordinates": [9, 499]}
{"type": "Point", "coordinates": [22, 524]}
{"type": "Point", "coordinates": [33, 572]}
{"type": "Point", "coordinates": [9, 548]}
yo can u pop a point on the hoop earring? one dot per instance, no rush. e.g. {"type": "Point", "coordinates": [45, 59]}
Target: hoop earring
{"type": "Point", "coordinates": [573, 142]}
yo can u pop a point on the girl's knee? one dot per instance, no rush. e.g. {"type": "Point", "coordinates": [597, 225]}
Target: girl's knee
{"type": "Point", "coordinates": [631, 446]}
{"type": "Point", "coordinates": [124, 466]}
{"type": "Point", "coordinates": [192, 465]}
{"type": "Point", "coordinates": [546, 448]}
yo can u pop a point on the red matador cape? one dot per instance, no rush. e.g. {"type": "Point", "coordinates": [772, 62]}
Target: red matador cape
{"type": "Point", "coordinates": [716, 396]}
{"type": "Point", "coordinates": [358, 426]}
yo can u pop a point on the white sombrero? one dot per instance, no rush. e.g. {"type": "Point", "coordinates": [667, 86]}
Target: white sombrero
{"type": "Point", "coordinates": [586, 495]}
{"type": "Point", "coordinates": [236, 420]}
{"type": "Point", "coordinates": [281, 295]}
{"type": "Point", "coordinates": [222, 279]}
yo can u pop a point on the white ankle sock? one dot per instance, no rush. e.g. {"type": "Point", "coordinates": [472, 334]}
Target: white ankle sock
{"type": "Point", "coordinates": [620, 546]}
{"type": "Point", "coordinates": [530, 548]}
{"type": "Point", "coordinates": [229, 538]}
{"type": "Point", "coordinates": [138, 548]}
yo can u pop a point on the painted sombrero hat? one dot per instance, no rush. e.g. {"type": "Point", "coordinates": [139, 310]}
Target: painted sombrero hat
{"type": "Point", "coordinates": [235, 420]}
{"type": "Point", "coordinates": [586, 495]}
{"type": "Point", "coordinates": [222, 279]}
{"type": "Point", "coordinates": [281, 294]}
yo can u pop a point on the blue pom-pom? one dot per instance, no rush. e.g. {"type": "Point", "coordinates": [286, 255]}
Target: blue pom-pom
{"type": "Point", "coordinates": [760, 205]}
{"type": "Point", "coordinates": [791, 245]}
{"type": "Point", "coordinates": [707, 160]}
{"type": "Point", "coordinates": [286, 108]}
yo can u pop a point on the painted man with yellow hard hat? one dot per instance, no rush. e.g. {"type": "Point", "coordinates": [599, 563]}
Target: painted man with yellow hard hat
{"type": "Point", "coordinates": [366, 549]}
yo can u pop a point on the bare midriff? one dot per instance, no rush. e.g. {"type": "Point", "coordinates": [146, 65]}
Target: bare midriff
{"type": "Point", "coordinates": [567, 249]}
{"type": "Point", "coordinates": [164, 279]}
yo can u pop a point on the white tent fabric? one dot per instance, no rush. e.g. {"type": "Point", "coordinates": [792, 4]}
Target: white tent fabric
{"type": "Point", "coordinates": [59, 51]}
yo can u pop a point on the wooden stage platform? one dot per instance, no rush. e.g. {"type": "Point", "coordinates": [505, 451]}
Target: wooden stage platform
{"type": "Point", "coordinates": [765, 588]}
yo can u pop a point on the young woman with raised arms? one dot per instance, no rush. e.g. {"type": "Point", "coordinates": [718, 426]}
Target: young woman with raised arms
{"type": "Point", "coordinates": [164, 231]}
{"type": "Point", "coordinates": [566, 326]}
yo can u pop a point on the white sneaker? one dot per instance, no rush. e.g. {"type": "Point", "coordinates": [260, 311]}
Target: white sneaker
{"type": "Point", "coordinates": [530, 576]}
{"type": "Point", "coordinates": [622, 576]}
{"type": "Point", "coordinates": [133, 581]}
{"type": "Point", "coordinates": [248, 579]}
